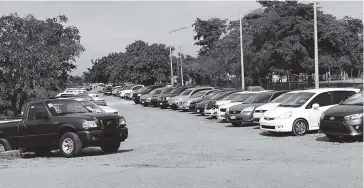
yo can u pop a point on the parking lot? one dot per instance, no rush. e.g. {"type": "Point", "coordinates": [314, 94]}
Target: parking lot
{"type": "Point", "coordinates": [167, 148]}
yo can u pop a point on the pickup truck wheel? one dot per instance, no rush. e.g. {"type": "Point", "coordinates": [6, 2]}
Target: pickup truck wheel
{"type": "Point", "coordinates": [4, 145]}
{"type": "Point", "coordinates": [70, 145]}
{"type": "Point", "coordinates": [110, 147]}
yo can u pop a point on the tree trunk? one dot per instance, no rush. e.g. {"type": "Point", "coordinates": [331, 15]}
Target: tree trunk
{"type": "Point", "coordinates": [13, 100]}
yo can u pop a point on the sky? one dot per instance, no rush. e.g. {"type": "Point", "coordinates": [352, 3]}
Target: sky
{"type": "Point", "coordinates": [107, 27]}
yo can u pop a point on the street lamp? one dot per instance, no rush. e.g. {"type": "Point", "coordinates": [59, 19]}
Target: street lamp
{"type": "Point", "coordinates": [317, 82]}
{"type": "Point", "coordinates": [241, 55]}
{"type": "Point", "coordinates": [170, 54]}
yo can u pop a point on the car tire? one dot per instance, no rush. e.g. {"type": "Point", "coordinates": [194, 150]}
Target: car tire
{"type": "Point", "coordinates": [42, 151]}
{"type": "Point", "coordinates": [74, 144]}
{"type": "Point", "coordinates": [110, 147]}
{"type": "Point", "coordinates": [300, 127]}
{"type": "Point", "coordinates": [4, 145]}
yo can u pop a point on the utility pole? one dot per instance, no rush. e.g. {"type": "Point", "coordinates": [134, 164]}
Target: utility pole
{"type": "Point", "coordinates": [317, 81]}
{"type": "Point", "coordinates": [242, 55]}
{"type": "Point", "coordinates": [180, 52]}
{"type": "Point", "coordinates": [177, 59]}
{"type": "Point", "coordinates": [170, 56]}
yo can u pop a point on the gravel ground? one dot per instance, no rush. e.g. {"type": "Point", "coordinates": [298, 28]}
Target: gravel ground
{"type": "Point", "coordinates": [166, 148]}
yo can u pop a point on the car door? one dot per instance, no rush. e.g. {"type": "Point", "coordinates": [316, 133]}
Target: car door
{"type": "Point", "coordinates": [340, 96]}
{"type": "Point", "coordinates": [37, 129]}
{"type": "Point", "coordinates": [325, 101]}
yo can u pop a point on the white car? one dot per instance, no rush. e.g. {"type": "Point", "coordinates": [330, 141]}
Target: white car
{"type": "Point", "coordinates": [109, 110]}
{"type": "Point", "coordinates": [213, 111]}
{"type": "Point", "coordinates": [132, 89]}
{"type": "Point", "coordinates": [260, 110]}
{"type": "Point", "coordinates": [221, 110]}
{"type": "Point", "coordinates": [302, 111]}
{"type": "Point", "coordinates": [96, 108]}
{"type": "Point", "coordinates": [99, 101]}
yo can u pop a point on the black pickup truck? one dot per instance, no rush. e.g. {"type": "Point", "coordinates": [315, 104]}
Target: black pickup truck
{"type": "Point", "coordinates": [62, 124]}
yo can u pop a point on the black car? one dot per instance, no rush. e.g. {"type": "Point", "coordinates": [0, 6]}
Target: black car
{"type": "Point", "coordinates": [200, 107]}
{"type": "Point", "coordinates": [62, 124]}
{"type": "Point", "coordinates": [146, 90]}
{"type": "Point", "coordinates": [345, 119]}
{"type": "Point", "coordinates": [163, 99]}
{"type": "Point", "coordinates": [165, 91]}
{"type": "Point", "coordinates": [193, 104]}
{"type": "Point", "coordinates": [108, 90]}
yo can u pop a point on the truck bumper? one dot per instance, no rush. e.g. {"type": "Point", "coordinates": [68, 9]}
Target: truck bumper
{"type": "Point", "coordinates": [98, 137]}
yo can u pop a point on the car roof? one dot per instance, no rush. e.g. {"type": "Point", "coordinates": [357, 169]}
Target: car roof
{"type": "Point", "coordinates": [321, 90]}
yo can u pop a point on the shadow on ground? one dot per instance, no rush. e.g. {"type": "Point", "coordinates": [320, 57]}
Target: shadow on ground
{"type": "Point", "coordinates": [88, 152]}
{"type": "Point", "coordinates": [339, 140]}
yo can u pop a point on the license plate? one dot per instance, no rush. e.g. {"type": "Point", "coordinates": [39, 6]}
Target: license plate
{"type": "Point", "coordinates": [198, 110]}
{"type": "Point", "coordinates": [233, 117]}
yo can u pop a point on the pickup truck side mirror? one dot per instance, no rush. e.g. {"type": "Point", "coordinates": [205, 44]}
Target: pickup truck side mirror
{"type": "Point", "coordinates": [41, 115]}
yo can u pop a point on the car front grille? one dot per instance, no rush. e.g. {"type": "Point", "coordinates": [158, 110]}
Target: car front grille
{"type": "Point", "coordinates": [335, 118]}
{"type": "Point", "coordinates": [223, 110]}
{"type": "Point", "coordinates": [109, 123]}
{"type": "Point", "coordinates": [260, 111]}
{"type": "Point", "coordinates": [331, 126]}
{"type": "Point", "coordinates": [234, 112]}
{"type": "Point", "coordinates": [268, 127]}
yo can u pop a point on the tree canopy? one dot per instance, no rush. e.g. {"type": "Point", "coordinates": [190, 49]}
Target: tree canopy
{"type": "Point", "coordinates": [35, 54]}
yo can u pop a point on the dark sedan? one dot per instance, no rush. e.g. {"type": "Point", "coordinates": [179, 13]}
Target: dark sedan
{"type": "Point", "coordinates": [163, 99]}
{"type": "Point", "coordinates": [242, 114]}
{"type": "Point", "coordinates": [200, 107]}
{"type": "Point", "coordinates": [207, 97]}
{"type": "Point", "coordinates": [345, 119]}
{"type": "Point", "coordinates": [136, 96]}
{"type": "Point", "coordinates": [165, 91]}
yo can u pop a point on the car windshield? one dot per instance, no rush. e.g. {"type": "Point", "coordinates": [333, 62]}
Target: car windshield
{"type": "Point", "coordinates": [66, 107]}
{"type": "Point", "coordinates": [146, 89]}
{"type": "Point", "coordinates": [218, 96]}
{"type": "Point", "coordinates": [213, 93]}
{"type": "Point", "coordinates": [243, 97]}
{"type": "Point", "coordinates": [232, 96]}
{"type": "Point", "coordinates": [156, 91]}
{"type": "Point", "coordinates": [177, 90]}
{"type": "Point", "coordinates": [297, 99]}
{"type": "Point", "coordinates": [356, 99]}
{"type": "Point", "coordinates": [282, 97]}
{"type": "Point", "coordinates": [167, 90]}
{"type": "Point", "coordinates": [259, 98]}
{"type": "Point", "coordinates": [91, 107]}
{"type": "Point", "coordinates": [198, 94]}
{"type": "Point", "coordinates": [187, 92]}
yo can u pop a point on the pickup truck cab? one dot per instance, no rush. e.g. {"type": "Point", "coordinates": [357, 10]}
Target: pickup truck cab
{"type": "Point", "coordinates": [62, 124]}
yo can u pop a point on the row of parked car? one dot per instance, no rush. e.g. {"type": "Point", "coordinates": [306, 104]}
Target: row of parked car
{"type": "Point", "coordinates": [336, 112]}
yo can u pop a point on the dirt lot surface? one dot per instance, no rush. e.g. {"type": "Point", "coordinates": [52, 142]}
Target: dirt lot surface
{"type": "Point", "coordinates": [172, 149]}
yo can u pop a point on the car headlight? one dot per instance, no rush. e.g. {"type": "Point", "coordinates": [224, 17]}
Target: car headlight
{"type": "Point", "coordinates": [249, 109]}
{"type": "Point", "coordinates": [116, 113]}
{"type": "Point", "coordinates": [167, 98]}
{"type": "Point", "coordinates": [89, 124]}
{"type": "Point", "coordinates": [139, 95]}
{"type": "Point", "coordinates": [122, 122]}
{"type": "Point", "coordinates": [148, 99]}
{"type": "Point", "coordinates": [188, 103]}
{"type": "Point", "coordinates": [285, 116]}
{"type": "Point", "coordinates": [353, 117]}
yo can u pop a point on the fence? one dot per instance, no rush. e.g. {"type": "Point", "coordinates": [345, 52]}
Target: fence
{"type": "Point", "coordinates": [284, 82]}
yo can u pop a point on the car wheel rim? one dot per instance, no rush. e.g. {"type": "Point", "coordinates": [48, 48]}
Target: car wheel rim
{"type": "Point", "coordinates": [300, 127]}
{"type": "Point", "coordinates": [67, 146]}
{"type": "Point", "coordinates": [2, 148]}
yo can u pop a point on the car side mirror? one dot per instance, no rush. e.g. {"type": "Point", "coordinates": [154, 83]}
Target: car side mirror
{"type": "Point", "coordinates": [41, 115]}
{"type": "Point", "coordinates": [315, 106]}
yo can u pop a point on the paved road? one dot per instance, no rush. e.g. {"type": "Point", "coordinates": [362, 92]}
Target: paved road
{"type": "Point", "coordinates": [178, 149]}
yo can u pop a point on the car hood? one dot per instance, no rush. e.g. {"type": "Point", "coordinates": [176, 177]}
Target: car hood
{"type": "Point", "coordinates": [179, 97]}
{"type": "Point", "coordinates": [125, 91]}
{"type": "Point", "coordinates": [168, 95]}
{"type": "Point", "coordinates": [108, 109]}
{"type": "Point", "coordinates": [203, 103]}
{"type": "Point", "coordinates": [344, 110]}
{"type": "Point", "coordinates": [278, 111]}
{"type": "Point", "coordinates": [145, 96]}
{"type": "Point", "coordinates": [267, 106]}
{"type": "Point", "coordinates": [189, 99]}
{"type": "Point", "coordinates": [97, 99]}
{"type": "Point", "coordinates": [240, 107]}
{"type": "Point", "coordinates": [228, 105]}
{"type": "Point", "coordinates": [90, 116]}
{"type": "Point", "coordinates": [222, 102]}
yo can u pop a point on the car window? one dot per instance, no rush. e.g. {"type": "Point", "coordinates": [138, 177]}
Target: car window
{"type": "Point", "coordinates": [243, 97]}
{"type": "Point", "coordinates": [282, 97]}
{"type": "Point", "coordinates": [323, 99]}
{"type": "Point", "coordinates": [340, 96]}
{"type": "Point", "coordinates": [259, 98]}
{"type": "Point", "coordinates": [276, 95]}
{"type": "Point", "coordinates": [34, 109]}
{"type": "Point", "coordinates": [232, 96]}
{"type": "Point", "coordinates": [187, 92]}
{"type": "Point", "coordinates": [356, 99]}
{"type": "Point", "coordinates": [137, 88]}
{"type": "Point", "coordinates": [297, 99]}
{"type": "Point", "coordinates": [167, 90]}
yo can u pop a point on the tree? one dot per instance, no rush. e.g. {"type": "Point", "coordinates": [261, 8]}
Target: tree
{"type": "Point", "coordinates": [35, 54]}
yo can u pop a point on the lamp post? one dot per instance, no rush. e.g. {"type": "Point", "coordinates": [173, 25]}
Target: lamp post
{"type": "Point", "coordinates": [317, 82]}
{"type": "Point", "coordinates": [242, 55]}
{"type": "Point", "coordinates": [170, 54]}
